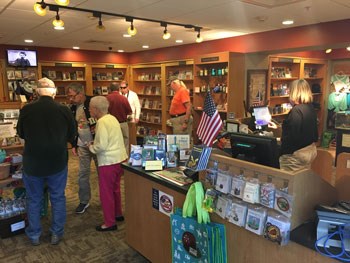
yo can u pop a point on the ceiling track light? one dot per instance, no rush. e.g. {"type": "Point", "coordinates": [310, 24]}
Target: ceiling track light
{"type": "Point", "coordinates": [62, 2]}
{"type": "Point", "coordinates": [199, 39]}
{"type": "Point", "coordinates": [132, 31]}
{"type": "Point", "coordinates": [100, 25]}
{"type": "Point", "coordinates": [166, 34]}
{"type": "Point", "coordinates": [328, 50]}
{"type": "Point", "coordinates": [58, 22]}
{"type": "Point", "coordinates": [40, 9]}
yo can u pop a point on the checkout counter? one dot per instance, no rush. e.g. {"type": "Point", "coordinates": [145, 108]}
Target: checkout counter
{"type": "Point", "coordinates": [148, 229]}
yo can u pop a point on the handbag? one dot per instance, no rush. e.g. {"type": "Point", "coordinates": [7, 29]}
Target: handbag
{"type": "Point", "coordinates": [196, 240]}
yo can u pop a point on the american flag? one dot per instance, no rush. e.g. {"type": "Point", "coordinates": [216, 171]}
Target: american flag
{"type": "Point", "coordinates": [210, 124]}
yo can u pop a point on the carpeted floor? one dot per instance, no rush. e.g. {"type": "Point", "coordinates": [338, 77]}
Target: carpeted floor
{"type": "Point", "coordinates": [81, 242]}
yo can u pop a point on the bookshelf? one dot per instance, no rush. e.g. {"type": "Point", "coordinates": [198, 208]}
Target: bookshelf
{"type": "Point", "coordinates": [104, 74]}
{"type": "Point", "coordinates": [63, 73]}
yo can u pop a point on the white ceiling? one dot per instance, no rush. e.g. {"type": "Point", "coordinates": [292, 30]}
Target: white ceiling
{"type": "Point", "coordinates": [219, 19]}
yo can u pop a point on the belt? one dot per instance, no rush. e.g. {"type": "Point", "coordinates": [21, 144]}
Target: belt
{"type": "Point", "coordinates": [177, 115]}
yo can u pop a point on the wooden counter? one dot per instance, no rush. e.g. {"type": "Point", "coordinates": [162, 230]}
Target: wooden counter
{"type": "Point", "coordinates": [148, 230]}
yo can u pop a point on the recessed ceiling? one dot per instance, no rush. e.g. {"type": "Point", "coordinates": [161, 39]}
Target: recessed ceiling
{"type": "Point", "coordinates": [219, 19]}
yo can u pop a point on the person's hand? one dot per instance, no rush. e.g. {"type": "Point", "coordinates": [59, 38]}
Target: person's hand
{"type": "Point", "coordinates": [74, 151]}
{"type": "Point", "coordinates": [272, 125]}
{"type": "Point", "coordinates": [136, 120]}
{"type": "Point", "coordinates": [184, 126]}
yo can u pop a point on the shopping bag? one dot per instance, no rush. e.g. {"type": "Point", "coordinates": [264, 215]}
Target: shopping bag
{"type": "Point", "coordinates": [197, 242]}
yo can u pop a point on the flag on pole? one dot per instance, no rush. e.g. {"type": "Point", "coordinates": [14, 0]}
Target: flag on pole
{"type": "Point", "coordinates": [210, 124]}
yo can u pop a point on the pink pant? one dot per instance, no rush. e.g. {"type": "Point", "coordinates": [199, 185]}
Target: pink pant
{"type": "Point", "coordinates": [110, 196]}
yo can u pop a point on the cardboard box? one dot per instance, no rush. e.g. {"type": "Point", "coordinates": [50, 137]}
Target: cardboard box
{"type": "Point", "coordinates": [13, 225]}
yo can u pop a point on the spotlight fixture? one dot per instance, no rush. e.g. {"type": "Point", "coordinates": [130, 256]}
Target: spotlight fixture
{"type": "Point", "coordinates": [100, 25]}
{"type": "Point", "coordinates": [58, 22]}
{"type": "Point", "coordinates": [62, 2]}
{"type": "Point", "coordinates": [288, 22]}
{"type": "Point", "coordinates": [348, 48]}
{"type": "Point", "coordinates": [40, 8]}
{"type": "Point", "coordinates": [166, 34]}
{"type": "Point", "coordinates": [199, 39]}
{"type": "Point", "coordinates": [131, 30]}
{"type": "Point", "coordinates": [329, 50]}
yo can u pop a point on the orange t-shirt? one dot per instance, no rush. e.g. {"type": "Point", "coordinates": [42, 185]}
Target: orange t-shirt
{"type": "Point", "coordinates": [178, 103]}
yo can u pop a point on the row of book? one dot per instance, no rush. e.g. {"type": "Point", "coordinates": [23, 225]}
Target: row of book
{"type": "Point", "coordinates": [100, 76]}
{"type": "Point", "coordinates": [101, 90]}
{"type": "Point", "coordinates": [151, 117]}
{"type": "Point", "coordinates": [151, 90]}
{"type": "Point", "coordinates": [150, 104]}
{"type": "Point", "coordinates": [149, 76]}
{"type": "Point", "coordinates": [181, 74]}
{"type": "Point", "coordinates": [20, 74]}
{"type": "Point", "coordinates": [64, 75]}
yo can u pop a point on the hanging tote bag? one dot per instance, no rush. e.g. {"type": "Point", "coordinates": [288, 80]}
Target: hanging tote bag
{"type": "Point", "coordinates": [196, 240]}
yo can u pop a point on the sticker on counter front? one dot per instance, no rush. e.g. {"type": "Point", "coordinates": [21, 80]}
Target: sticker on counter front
{"type": "Point", "coordinates": [346, 140]}
{"type": "Point", "coordinates": [166, 203]}
{"type": "Point", "coordinates": [18, 226]}
{"type": "Point", "coordinates": [155, 198]}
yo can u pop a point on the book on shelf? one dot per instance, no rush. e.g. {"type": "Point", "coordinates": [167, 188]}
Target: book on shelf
{"type": "Point", "coordinates": [109, 75]}
{"type": "Point", "coordinates": [65, 75]}
{"type": "Point", "coordinates": [174, 175]}
{"type": "Point", "coordinates": [18, 74]}
{"type": "Point", "coordinates": [150, 104]}
{"type": "Point", "coordinates": [147, 90]}
{"type": "Point", "coordinates": [51, 74]}
{"type": "Point", "coordinates": [73, 75]}
{"type": "Point", "coordinates": [155, 104]}
{"type": "Point", "coordinates": [79, 75]}
{"type": "Point", "coordinates": [25, 74]}
{"type": "Point", "coordinates": [153, 90]}
{"type": "Point", "coordinates": [59, 75]}
{"type": "Point", "coordinates": [32, 74]}
{"type": "Point", "coordinates": [157, 92]}
{"type": "Point", "coordinates": [146, 105]}
{"type": "Point", "coordinates": [115, 76]}
{"type": "Point", "coordinates": [10, 74]}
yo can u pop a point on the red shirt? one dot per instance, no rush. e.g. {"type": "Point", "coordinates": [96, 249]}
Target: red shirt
{"type": "Point", "coordinates": [119, 106]}
{"type": "Point", "coordinates": [178, 103]}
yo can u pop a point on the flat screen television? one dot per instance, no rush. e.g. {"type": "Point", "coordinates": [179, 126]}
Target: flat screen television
{"type": "Point", "coordinates": [21, 58]}
{"type": "Point", "coordinates": [255, 148]}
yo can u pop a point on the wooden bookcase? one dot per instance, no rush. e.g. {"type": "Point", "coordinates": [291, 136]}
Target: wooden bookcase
{"type": "Point", "coordinates": [64, 73]}
{"type": "Point", "coordinates": [282, 71]}
{"type": "Point", "coordinates": [226, 70]}
{"type": "Point", "coordinates": [104, 74]}
{"type": "Point", "coordinates": [149, 81]}
{"type": "Point", "coordinates": [183, 70]}
{"type": "Point", "coordinates": [146, 81]}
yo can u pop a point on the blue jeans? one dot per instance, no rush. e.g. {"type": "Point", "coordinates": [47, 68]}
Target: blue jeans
{"type": "Point", "coordinates": [56, 184]}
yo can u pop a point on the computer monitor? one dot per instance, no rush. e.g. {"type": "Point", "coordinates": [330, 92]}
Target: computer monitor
{"type": "Point", "coordinates": [255, 148]}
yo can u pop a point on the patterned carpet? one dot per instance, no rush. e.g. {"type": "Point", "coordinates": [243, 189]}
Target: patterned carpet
{"type": "Point", "coordinates": [81, 242]}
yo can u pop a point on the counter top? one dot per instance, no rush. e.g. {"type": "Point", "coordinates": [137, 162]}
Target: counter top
{"type": "Point", "coordinates": [149, 175]}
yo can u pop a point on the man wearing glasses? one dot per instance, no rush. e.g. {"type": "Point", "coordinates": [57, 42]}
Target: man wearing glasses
{"type": "Point", "coordinates": [86, 130]}
{"type": "Point", "coordinates": [133, 101]}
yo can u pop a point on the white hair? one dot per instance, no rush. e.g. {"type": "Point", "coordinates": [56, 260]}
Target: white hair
{"type": "Point", "coordinates": [100, 103]}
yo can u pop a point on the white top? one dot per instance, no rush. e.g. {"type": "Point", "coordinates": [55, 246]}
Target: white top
{"type": "Point", "coordinates": [134, 104]}
{"type": "Point", "coordinates": [109, 143]}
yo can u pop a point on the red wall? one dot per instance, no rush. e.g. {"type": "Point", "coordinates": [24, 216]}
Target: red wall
{"type": "Point", "coordinates": [296, 39]}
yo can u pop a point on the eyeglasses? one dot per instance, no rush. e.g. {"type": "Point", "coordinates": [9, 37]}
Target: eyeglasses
{"type": "Point", "coordinates": [72, 97]}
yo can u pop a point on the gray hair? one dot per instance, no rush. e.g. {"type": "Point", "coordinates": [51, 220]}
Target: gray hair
{"type": "Point", "coordinates": [114, 86]}
{"type": "Point", "coordinates": [100, 103]}
{"type": "Point", "coordinates": [77, 87]}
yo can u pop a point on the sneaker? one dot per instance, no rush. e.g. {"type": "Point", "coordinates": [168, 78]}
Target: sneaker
{"type": "Point", "coordinates": [119, 218]}
{"type": "Point", "coordinates": [35, 242]}
{"type": "Point", "coordinates": [81, 208]}
{"type": "Point", "coordinates": [55, 239]}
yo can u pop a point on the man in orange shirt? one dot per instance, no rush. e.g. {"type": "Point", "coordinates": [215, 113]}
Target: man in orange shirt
{"type": "Point", "coordinates": [180, 108]}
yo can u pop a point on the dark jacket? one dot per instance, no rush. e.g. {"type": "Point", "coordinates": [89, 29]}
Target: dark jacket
{"type": "Point", "coordinates": [47, 127]}
{"type": "Point", "coordinates": [299, 129]}
{"type": "Point", "coordinates": [92, 121]}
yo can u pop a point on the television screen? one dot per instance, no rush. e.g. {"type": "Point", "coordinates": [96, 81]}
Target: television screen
{"type": "Point", "coordinates": [22, 58]}
{"type": "Point", "coordinates": [255, 148]}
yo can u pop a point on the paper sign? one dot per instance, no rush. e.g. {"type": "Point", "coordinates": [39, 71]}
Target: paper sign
{"type": "Point", "coordinates": [154, 165]}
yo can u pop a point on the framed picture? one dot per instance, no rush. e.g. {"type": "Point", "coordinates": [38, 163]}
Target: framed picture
{"type": "Point", "coordinates": [257, 87]}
